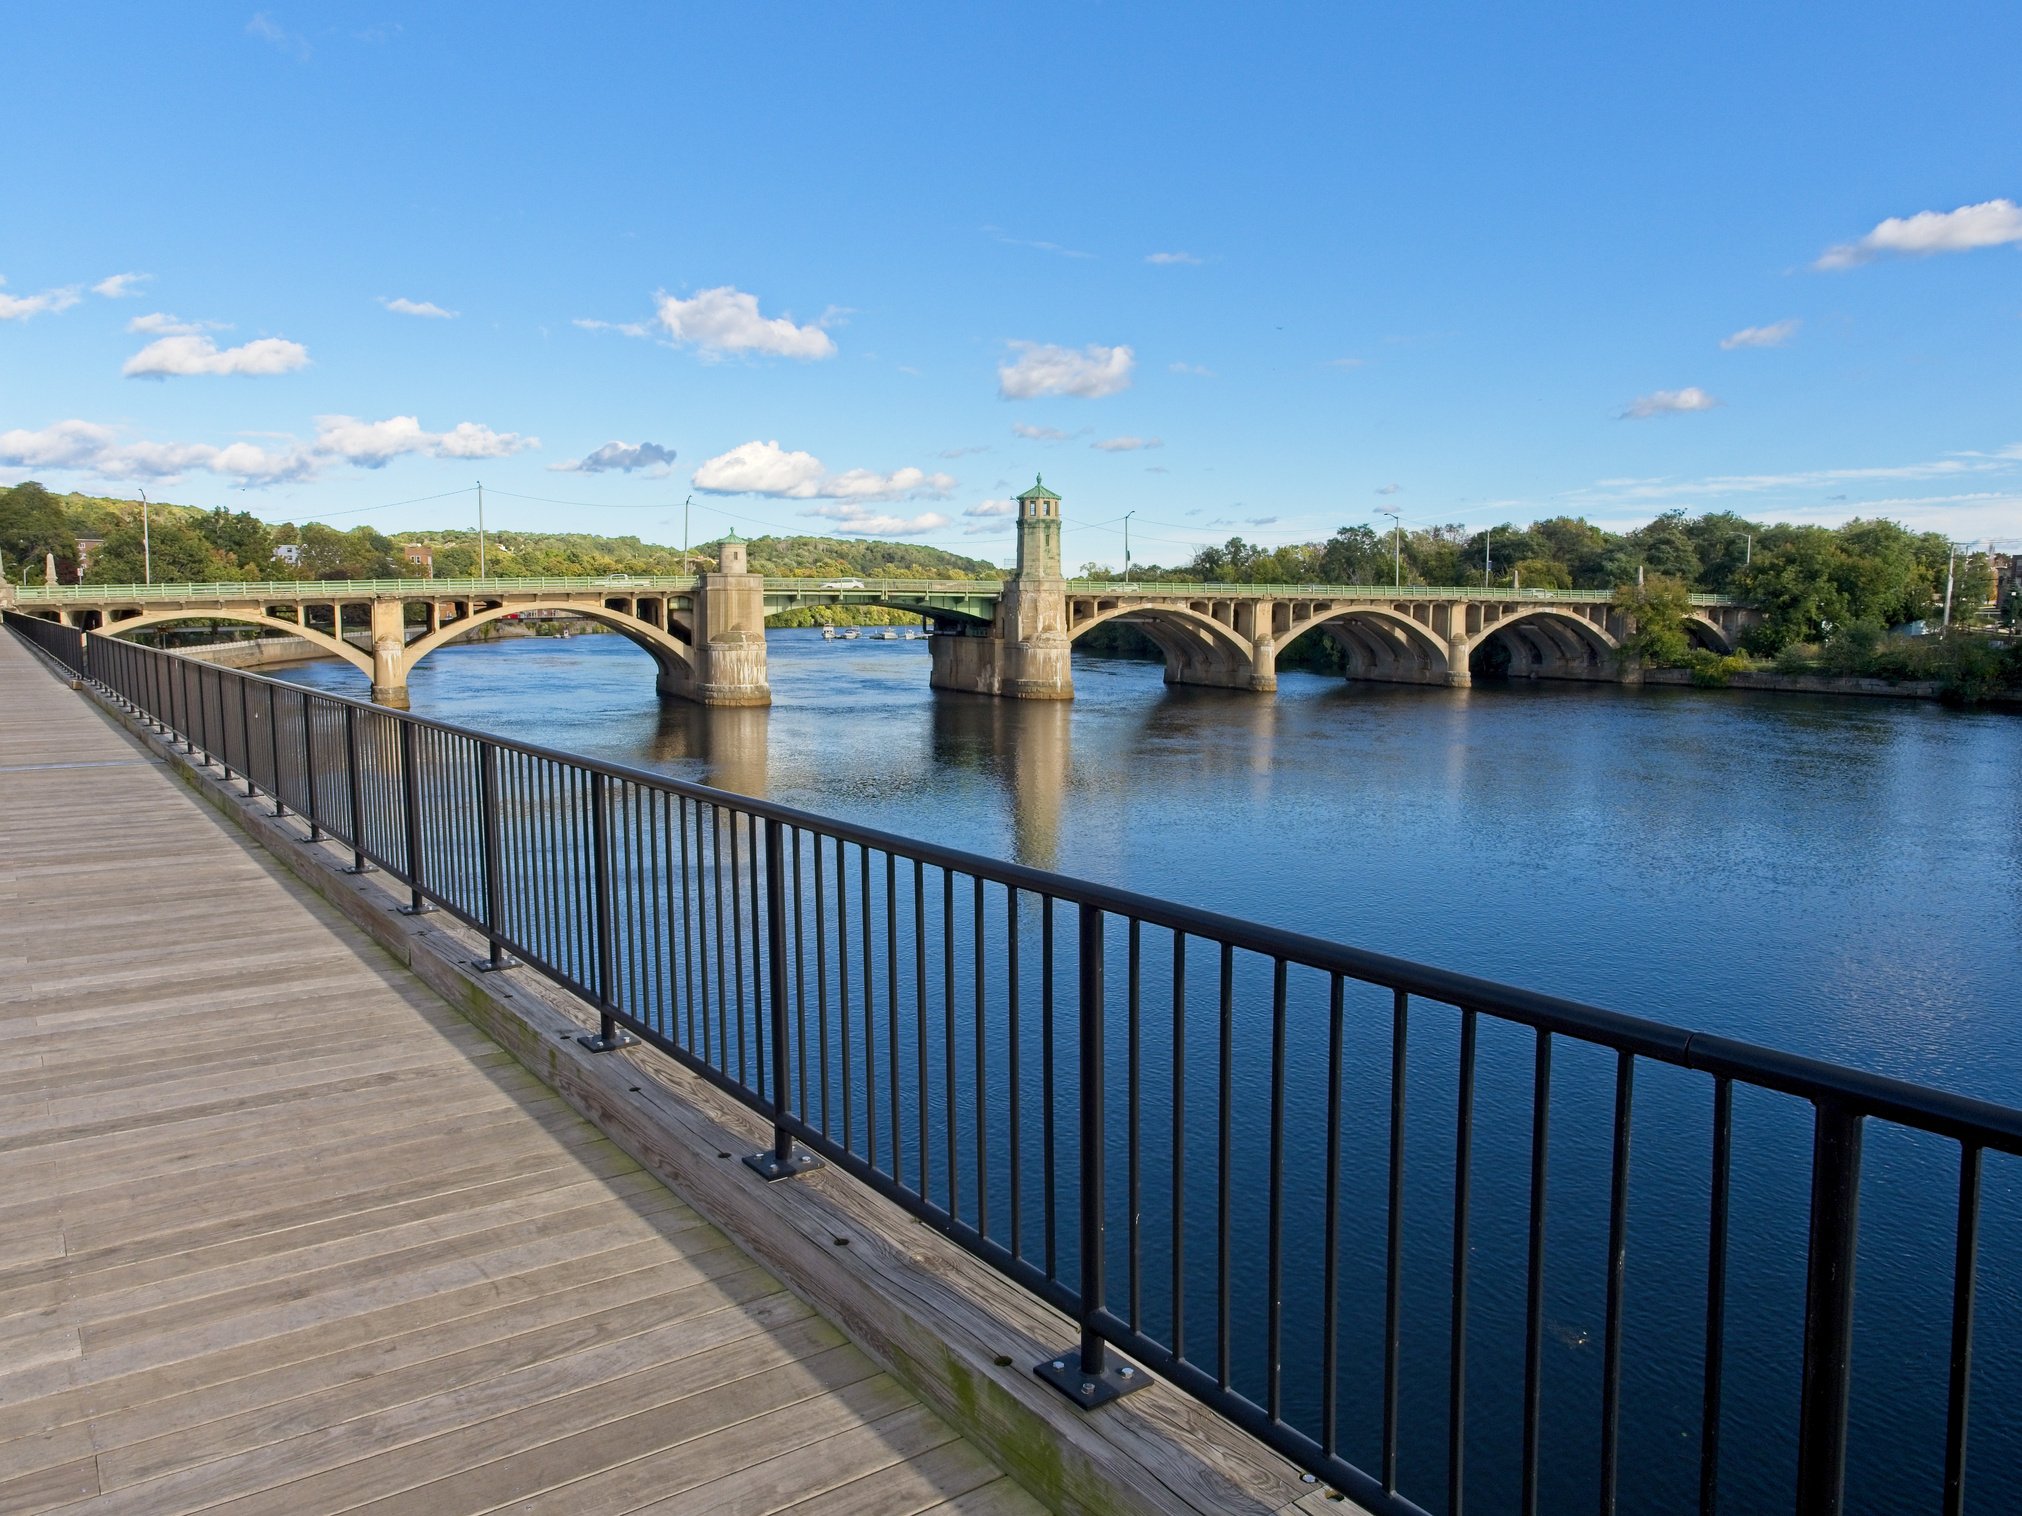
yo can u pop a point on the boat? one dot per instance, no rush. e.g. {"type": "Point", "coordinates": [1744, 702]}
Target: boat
{"type": "Point", "coordinates": [886, 636]}
{"type": "Point", "coordinates": [828, 634]}
{"type": "Point", "coordinates": [851, 635]}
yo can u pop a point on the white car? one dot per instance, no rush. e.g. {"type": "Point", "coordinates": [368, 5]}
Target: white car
{"type": "Point", "coordinates": [844, 584]}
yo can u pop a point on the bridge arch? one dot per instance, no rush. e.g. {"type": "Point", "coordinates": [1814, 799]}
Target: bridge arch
{"type": "Point", "coordinates": [1378, 642]}
{"type": "Point", "coordinates": [119, 626]}
{"type": "Point", "coordinates": [670, 652]}
{"type": "Point", "coordinates": [1547, 642]}
{"type": "Point", "coordinates": [1197, 648]}
{"type": "Point", "coordinates": [1707, 633]}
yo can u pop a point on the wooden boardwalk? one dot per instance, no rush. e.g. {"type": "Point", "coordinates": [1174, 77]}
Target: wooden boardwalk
{"type": "Point", "coordinates": [280, 1232]}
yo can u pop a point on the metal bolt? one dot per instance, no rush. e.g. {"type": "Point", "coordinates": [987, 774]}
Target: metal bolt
{"type": "Point", "coordinates": [1087, 1388]}
{"type": "Point", "coordinates": [1060, 1363]}
{"type": "Point", "coordinates": [1308, 1479]}
{"type": "Point", "coordinates": [1125, 1372]}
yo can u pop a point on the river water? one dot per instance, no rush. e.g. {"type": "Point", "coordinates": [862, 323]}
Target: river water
{"type": "Point", "coordinates": [1841, 878]}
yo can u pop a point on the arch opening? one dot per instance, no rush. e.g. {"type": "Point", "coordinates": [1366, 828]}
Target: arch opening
{"type": "Point", "coordinates": [120, 625]}
{"type": "Point", "coordinates": [1373, 643]}
{"type": "Point", "coordinates": [1195, 648]}
{"type": "Point", "coordinates": [669, 652]}
{"type": "Point", "coordinates": [1543, 644]}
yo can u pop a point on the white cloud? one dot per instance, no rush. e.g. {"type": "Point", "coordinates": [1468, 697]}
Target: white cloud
{"type": "Point", "coordinates": [189, 354]}
{"type": "Point", "coordinates": [1033, 433]}
{"type": "Point", "coordinates": [1044, 247]}
{"type": "Point", "coordinates": [1390, 489]}
{"type": "Point", "coordinates": [1168, 259]}
{"type": "Point", "coordinates": [861, 521]}
{"type": "Point", "coordinates": [765, 468]}
{"type": "Point", "coordinates": [267, 29]}
{"type": "Point", "coordinates": [372, 444]}
{"type": "Point", "coordinates": [21, 307]}
{"type": "Point", "coordinates": [726, 320]}
{"type": "Point", "coordinates": [622, 457]}
{"type": "Point", "coordinates": [760, 468]}
{"type": "Point", "coordinates": [962, 452]}
{"type": "Point", "coordinates": [986, 529]}
{"type": "Point", "coordinates": [87, 447]}
{"type": "Point", "coordinates": [993, 508]}
{"type": "Point", "coordinates": [1043, 369]}
{"type": "Point", "coordinates": [1991, 223]}
{"type": "Point", "coordinates": [1347, 363]}
{"type": "Point", "coordinates": [400, 305]}
{"type": "Point", "coordinates": [120, 286]}
{"type": "Point", "coordinates": [1774, 335]}
{"type": "Point", "coordinates": [1669, 403]}
{"type": "Point", "coordinates": [162, 324]}
{"type": "Point", "coordinates": [1199, 370]}
{"type": "Point", "coordinates": [622, 328]}
{"type": "Point", "coordinates": [1126, 444]}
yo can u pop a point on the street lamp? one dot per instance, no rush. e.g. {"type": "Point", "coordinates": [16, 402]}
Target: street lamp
{"type": "Point", "coordinates": [1396, 543]}
{"type": "Point", "coordinates": [1126, 546]}
{"type": "Point", "coordinates": [146, 541]}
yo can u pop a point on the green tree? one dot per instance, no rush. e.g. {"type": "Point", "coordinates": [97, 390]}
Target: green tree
{"type": "Point", "coordinates": [32, 525]}
{"type": "Point", "coordinates": [1658, 607]}
{"type": "Point", "coordinates": [1796, 584]}
{"type": "Point", "coordinates": [177, 550]}
{"type": "Point", "coordinates": [240, 536]}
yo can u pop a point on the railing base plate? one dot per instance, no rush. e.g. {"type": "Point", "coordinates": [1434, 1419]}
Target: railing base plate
{"type": "Point", "coordinates": [768, 1167]}
{"type": "Point", "coordinates": [424, 909]}
{"type": "Point", "coordinates": [1088, 1391]}
{"type": "Point", "coordinates": [362, 868]}
{"type": "Point", "coordinates": [596, 1042]}
{"type": "Point", "coordinates": [486, 966]}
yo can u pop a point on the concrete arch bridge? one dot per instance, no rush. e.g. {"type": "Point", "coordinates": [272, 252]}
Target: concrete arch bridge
{"type": "Point", "coordinates": [1009, 637]}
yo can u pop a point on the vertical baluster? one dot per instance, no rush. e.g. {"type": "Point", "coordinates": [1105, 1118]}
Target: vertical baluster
{"type": "Point", "coordinates": [1087, 1375]}
{"type": "Point", "coordinates": [1618, 1244]}
{"type": "Point", "coordinates": [1716, 1296]}
{"type": "Point", "coordinates": [1225, 1166]}
{"type": "Point", "coordinates": [1534, 1295]}
{"type": "Point", "coordinates": [1463, 1182]}
{"type": "Point", "coordinates": [609, 1035]}
{"type": "Point", "coordinates": [410, 795]}
{"type": "Point", "coordinates": [1400, 1014]}
{"type": "Point", "coordinates": [1179, 1144]}
{"type": "Point", "coordinates": [1959, 1380]}
{"type": "Point", "coordinates": [781, 1160]}
{"type": "Point", "coordinates": [355, 791]}
{"type": "Point", "coordinates": [1828, 1310]}
{"type": "Point", "coordinates": [1330, 1272]}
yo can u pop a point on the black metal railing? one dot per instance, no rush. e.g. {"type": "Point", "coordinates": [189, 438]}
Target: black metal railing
{"type": "Point", "coordinates": [1077, 1083]}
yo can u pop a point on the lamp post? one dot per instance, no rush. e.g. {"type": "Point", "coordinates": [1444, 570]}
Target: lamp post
{"type": "Point", "coordinates": [480, 530]}
{"type": "Point", "coordinates": [1396, 544]}
{"type": "Point", "coordinates": [1126, 545]}
{"type": "Point", "coordinates": [686, 567]}
{"type": "Point", "coordinates": [146, 541]}
{"type": "Point", "coordinates": [1487, 536]}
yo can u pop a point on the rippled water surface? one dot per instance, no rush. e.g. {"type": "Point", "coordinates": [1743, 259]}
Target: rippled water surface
{"type": "Point", "coordinates": [1841, 878]}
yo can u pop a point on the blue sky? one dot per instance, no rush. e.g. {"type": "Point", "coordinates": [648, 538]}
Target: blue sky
{"type": "Point", "coordinates": [1260, 270]}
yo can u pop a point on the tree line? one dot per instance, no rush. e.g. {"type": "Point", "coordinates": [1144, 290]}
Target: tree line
{"type": "Point", "coordinates": [1807, 580]}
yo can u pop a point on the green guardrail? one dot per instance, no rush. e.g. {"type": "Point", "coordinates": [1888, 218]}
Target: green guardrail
{"type": "Point", "coordinates": [356, 589]}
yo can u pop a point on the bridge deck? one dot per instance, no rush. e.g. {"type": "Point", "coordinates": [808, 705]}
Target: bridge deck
{"type": "Point", "coordinates": [279, 1231]}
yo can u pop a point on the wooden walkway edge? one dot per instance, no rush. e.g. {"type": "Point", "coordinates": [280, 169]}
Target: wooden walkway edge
{"type": "Point", "coordinates": [281, 1231]}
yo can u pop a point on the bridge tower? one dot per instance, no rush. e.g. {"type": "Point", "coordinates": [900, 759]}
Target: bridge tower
{"type": "Point", "coordinates": [1023, 652]}
{"type": "Point", "coordinates": [728, 649]}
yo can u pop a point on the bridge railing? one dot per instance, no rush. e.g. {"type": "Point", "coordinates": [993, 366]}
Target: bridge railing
{"type": "Point", "coordinates": [344, 589]}
{"type": "Point", "coordinates": [451, 589]}
{"type": "Point", "coordinates": [1191, 1133]}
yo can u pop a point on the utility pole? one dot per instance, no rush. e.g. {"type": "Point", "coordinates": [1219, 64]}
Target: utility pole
{"type": "Point", "coordinates": [480, 530]}
{"type": "Point", "coordinates": [1126, 545]}
{"type": "Point", "coordinates": [1396, 543]}
{"type": "Point", "coordinates": [1951, 561]}
{"type": "Point", "coordinates": [146, 541]}
{"type": "Point", "coordinates": [1486, 537]}
{"type": "Point", "coordinates": [686, 566]}
{"type": "Point", "coordinates": [1748, 549]}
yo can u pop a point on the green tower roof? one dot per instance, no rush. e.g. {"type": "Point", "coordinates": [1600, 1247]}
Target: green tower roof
{"type": "Point", "coordinates": [1039, 491]}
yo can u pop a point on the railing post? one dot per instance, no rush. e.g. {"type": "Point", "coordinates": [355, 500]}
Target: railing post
{"type": "Point", "coordinates": [246, 734]}
{"type": "Point", "coordinates": [313, 811]}
{"type": "Point", "coordinates": [274, 751]}
{"type": "Point", "coordinates": [357, 793]}
{"type": "Point", "coordinates": [1087, 1375]}
{"type": "Point", "coordinates": [609, 1035]}
{"type": "Point", "coordinates": [410, 799]}
{"type": "Point", "coordinates": [780, 1161]}
{"type": "Point", "coordinates": [1828, 1310]}
{"type": "Point", "coordinates": [493, 858]}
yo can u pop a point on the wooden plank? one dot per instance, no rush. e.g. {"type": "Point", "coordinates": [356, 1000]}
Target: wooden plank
{"type": "Point", "coordinates": [316, 1242]}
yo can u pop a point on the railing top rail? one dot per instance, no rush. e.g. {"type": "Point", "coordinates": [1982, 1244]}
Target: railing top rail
{"type": "Point", "coordinates": [352, 589]}
{"type": "Point", "coordinates": [1976, 1122]}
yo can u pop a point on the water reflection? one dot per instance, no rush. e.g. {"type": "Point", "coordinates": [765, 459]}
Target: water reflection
{"type": "Point", "coordinates": [724, 747]}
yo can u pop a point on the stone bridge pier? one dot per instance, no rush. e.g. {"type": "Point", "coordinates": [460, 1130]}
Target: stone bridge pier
{"type": "Point", "coordinates": [1023, 651]}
